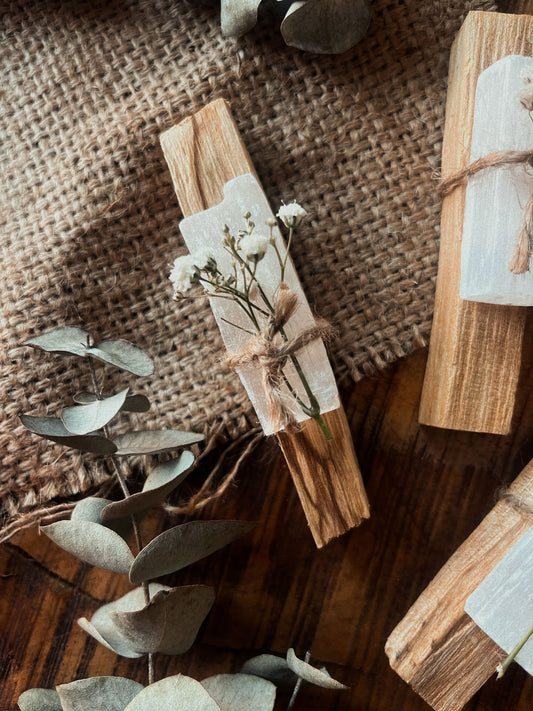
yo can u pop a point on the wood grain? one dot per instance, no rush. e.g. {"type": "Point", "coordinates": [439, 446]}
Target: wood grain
{"type": "Point", "coordinates": [204, 152]}
{"type": "Point", "coordinates": [437, 648]}
{"type": "Point", "coordinates": [429, 488]}
{"type": "Point", "coordinates": [475, 349]}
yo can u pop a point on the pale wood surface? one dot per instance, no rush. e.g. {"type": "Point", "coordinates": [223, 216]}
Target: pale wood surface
{"type": "Point", "coordinates": [437, 648]}
{"type": "Point", "coordinates": [203, 152]}
{"type": "Point", "coordinates": [472, 344]}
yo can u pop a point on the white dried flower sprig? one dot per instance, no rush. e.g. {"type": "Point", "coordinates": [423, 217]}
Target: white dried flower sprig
{"type": "Point", "coordinates": [246, 249]}
{"type": "Point", "coordinates": [291, 214]}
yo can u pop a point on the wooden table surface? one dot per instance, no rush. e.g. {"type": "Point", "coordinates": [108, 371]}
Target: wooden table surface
{"type": "Point", "coordinates": [428, 490]}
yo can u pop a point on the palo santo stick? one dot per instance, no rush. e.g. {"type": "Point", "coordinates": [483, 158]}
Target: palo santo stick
{"type": "Point", "coordinates": [476, 349]}
{"type": "Point", "coordinates": [204, 152]}
{"type": "Point", "coordinates": [437, 648]}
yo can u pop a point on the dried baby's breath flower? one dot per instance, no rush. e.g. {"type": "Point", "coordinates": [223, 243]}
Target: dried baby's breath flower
{"type": "Point", "coordinates": [291, 215]}
{"type": "Point", "coordinates": [254, 246]}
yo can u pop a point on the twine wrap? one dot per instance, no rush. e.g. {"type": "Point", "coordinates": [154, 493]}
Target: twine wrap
{"type": "Point", "coordinates": [270, 353]}
{"type": "Point", "coordinates": [521, 255]}
{"type": "Point", "coordinates": [517, 503]}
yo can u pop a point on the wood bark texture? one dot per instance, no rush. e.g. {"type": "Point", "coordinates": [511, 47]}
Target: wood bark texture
{"type": "Point", "coordinates": [437, 648]}
{"type": "Point", "coordinates": [203, 153]}
{"type": "Point", "coordinates": [476, 349]}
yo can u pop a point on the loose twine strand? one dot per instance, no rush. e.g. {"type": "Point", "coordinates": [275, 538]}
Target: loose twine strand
{"type": "Point", "coordinates": [270, 353]}
{"type": "Point", "coordinates": [519, 504]}
{"type": "Point", "coordinates": [521, 255]}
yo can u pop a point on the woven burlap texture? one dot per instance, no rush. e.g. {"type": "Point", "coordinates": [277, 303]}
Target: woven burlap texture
{"type": "Point", "coordinates": [90, 220]}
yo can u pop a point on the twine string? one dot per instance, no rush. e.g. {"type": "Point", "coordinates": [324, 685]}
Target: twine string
{"type": "Point", "coordinates": [270, 353]}
{"type": "Point", "coordinates": [521, 255]}
{"type": "Point", "coordinates": [519, 504]}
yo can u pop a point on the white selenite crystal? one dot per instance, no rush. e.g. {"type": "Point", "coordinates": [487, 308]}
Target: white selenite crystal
{"type": "Point", "coordinates": [204, 230]}
{"type": "Point", "coordinates": [503, 604]}
{"type": "Point", "coordinates": [496, 197]}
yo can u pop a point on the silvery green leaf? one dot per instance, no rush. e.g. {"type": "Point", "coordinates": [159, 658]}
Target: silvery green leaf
{"type": "Point", "coordinates": [325, 26]}
{"type": "Point", "coordinates": [92, 543]}
{"type": "Point", "coordinates": [311, 674]}
{"type": "Point", "coordinates": [132, 403]}
{"type": "Point", "coordinates": [136, 403]}
{"type": "Point", "coordinates": [99, 693]}
{"type": "Point", "coordinates": [164, 479]}
{"type": "Point", "coordinates": [241, 692]}
{"type": "Point", "coordinates": [102, 624]}
{"type": "Point", "coordinates": [270, 667]}
{"type": "Point", "coordinates": [124, 355]}
{"type": "Point", "coordinates": [113, 643]}
{"type": "Point", "coordinates": [63, 340]}
{"type": "Point", "coordinates": [169, 623]}
{"type": "Point", "coordinates": [90, 509]}
{"type": "Point", "coordinates": [182, 545]}
{"type": "Point", "coordinates": [39, 700]}
{"type": "Point", "coordinates": [172, 694]}
{"type": "Point", "coordinates": [53, 428]}
{"type": "Point", "coordinates": [238, 16]}
{"type": "Point", "coordinates": [82, 419]}
{"type": "Point", "coordinates": [154, 441]}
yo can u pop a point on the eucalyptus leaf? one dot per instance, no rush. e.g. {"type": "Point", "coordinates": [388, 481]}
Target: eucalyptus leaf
{"type": "Point", "coordinates": [53, 428]}
{"type": "Point", "coordinates": [182, 545]}
{"type": "Point", "coordinates": [63, 340]}
{"type": "Point", "coordinates": [169, 623]}
{"type": "Point", "coordinates": [154, 441]}
{"type": "Point", "coordinates": [113, 642]}
{"type": "Point", "coordinates": [238, 16]}
{"type": "Point", "coordinates": [133, 403]}
{"type": "Point", "coordinates": [241, 692]}
{"type": "Point", "coordinates": [173, 693]}
{"type": "Point", "coordinates": [326, 26]}
{"type": "Point", "coordinates": [39, 700]}
{"type": "Point", "coordinates": [163, 479]}
{"type": "Point", "coordinates": [99, 693]}
{"type": "Point", "coordinates": [102, 624]}
{"type": "Point", "coordinates": [83, 419]}
{"type": "Point", "coordinates": [311, 674]}
{"type": "Point", "coordinates": [90, 509]}
{"type": "Point", "coordinates": [124, 355]}
{"type": "Point", "coordinates": [270, 667]}
{"type": "Point", "coordinates": [92, 543]}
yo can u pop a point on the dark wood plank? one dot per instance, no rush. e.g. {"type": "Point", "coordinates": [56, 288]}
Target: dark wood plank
{"type": "Point", "coordinates": [429, 489]}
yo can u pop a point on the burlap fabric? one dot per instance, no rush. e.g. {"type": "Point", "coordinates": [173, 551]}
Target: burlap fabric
{"type": "Point", "coordinates": [89, 218]}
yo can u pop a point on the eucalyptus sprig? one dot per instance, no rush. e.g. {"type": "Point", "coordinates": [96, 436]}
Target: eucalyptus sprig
{"type": "Point", "coordinates": [152, 618]}
{"type": "Point", "coordinates": [240, 285]}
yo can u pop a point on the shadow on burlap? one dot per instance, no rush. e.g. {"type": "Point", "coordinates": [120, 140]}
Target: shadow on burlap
{"type": "Point", "coordinates": [90, 221]}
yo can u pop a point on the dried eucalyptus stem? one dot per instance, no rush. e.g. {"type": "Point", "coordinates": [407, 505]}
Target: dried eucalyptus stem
{"type": "Point", "coordinates": [122, 481]}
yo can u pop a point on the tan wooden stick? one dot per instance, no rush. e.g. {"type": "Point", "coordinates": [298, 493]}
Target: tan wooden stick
{"type": "Point", "coordinates": [437, 648]}
{"type": "Point", "coordinates": [476, 349]}
{"type": "Point", "coordinates": [203, 153]}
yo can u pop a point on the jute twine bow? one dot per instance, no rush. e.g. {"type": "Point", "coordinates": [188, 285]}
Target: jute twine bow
{"type": "Point", "coordinates": [521, 255]}
{"type": "Point", "coordinates": [270, 352]}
